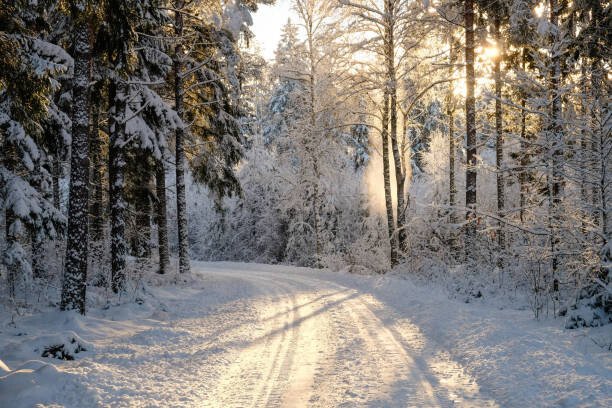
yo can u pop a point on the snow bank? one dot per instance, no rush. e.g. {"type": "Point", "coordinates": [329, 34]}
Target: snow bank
{"type": "Point", "coordinates": [51, 335]}
{"type": "Point", "coordinates": [36, 382]}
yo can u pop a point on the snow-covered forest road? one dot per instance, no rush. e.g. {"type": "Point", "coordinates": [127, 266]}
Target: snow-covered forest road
{"type": "Point", "coordinates": [248, 335]}
{"type": "Point", "coordinates": [313, 342]}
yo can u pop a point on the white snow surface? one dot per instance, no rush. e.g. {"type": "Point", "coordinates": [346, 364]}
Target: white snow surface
{"type": "Point", "coordinates": [249, 335]}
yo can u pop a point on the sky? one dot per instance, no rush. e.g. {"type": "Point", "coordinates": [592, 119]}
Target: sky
{"type": "Point", "coordinates": [267, 24]}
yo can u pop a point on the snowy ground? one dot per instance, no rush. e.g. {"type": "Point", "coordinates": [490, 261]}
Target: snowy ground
{"type": "Point", "coordinates": [267, 336]}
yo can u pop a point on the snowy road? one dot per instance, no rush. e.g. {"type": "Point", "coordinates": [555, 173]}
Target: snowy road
{"type": "Point", "coordinates": [317, 343]}
{"type": "Point", "coordinates": [273, 339]}
{"type": "Point", "coordinates": [248, 335]}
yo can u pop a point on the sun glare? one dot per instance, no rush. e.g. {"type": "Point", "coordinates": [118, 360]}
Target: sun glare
{"type": "Point", "coordinates": [491, 52]}
{"type": "Point", "coordinates": [540, 9]}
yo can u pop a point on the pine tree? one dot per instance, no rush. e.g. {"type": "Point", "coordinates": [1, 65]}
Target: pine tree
{"type": "Point", "coordinates": [97, 168]}
{"type": "Point", "coordinates": [179, 91]}
{"type": "Point", "coordinates": [139, 120]}
{"type": "Point", "coordinates": [75, 274]}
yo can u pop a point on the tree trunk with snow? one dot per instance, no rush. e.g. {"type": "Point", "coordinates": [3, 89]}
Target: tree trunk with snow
{"type": "Point", "coordinates": [38, 242]}
{"type": "Point", "coordinates": [450, 112]}
{"type": "Point", "coordinates": [602, 147]}
{"type": "Point", "coordinates": [75, 270]}
{"type": "Point", "coordinates": [391, 83]}
{"type": "Point", "coordinates": [524, 157]}
{"type": "Point", "coordinates": [499, 139]}
{"type": "Point", "coordinates": [56, 169]}
{"type": "Point", "coordinates": [162, 219]}
{"type": "Point", "coordinates": [556, 142]}
{"type": "Point", "coordinates": [387, 178]}
{"type": "Point", "coordinates": [310, 144]}
{"type": "Point", "coordinates": [470, 125]}
{"type": "Point", "coordinates": [116, 178]}
{"type": "Point", "coordinates": [181, 202]}
{"type": "Point", "coordinates": [8, 156]}
{"type": "Point", "coordinates": [97, 170]}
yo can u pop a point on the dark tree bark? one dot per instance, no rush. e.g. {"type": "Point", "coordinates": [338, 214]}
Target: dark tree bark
{"type": "Point", "coordinates": [97, 171]}
{"type": "Point", "coordinates": [162, 219]}
{"type": "Point", "coordinates": [38, 242]}
{"type": "Point", "coordinates": [524, 158]}
{"type": "Point", "coordinates": [450, 112]}
{"type": "Point", "coordinates": [116, 166]}
{"type": "Point", "coordinates": [55, 177]}
{"type": "Point", "coordinates": [556, 141]}
{"type": "Point", "coordinates": [11, 238]}
{"type": "Point", "coordinates": [582, 144]}
{"type": "Point", "coordinates": [499, 139]}
{"type": "Point", "coordinates": [181, 203]}
{"type": "Point", "coordinates": [470, 123]}
{"type": "Point", "coordinates": [8, 155]}
{"type": "Point", "coordinates": [75, 272]}
{"type": "Point", "coordinates": [602, 144]}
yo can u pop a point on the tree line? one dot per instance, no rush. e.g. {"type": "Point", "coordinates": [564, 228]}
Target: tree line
{"type": "Point", "coordinates": [471, 137]}
{"type": "Point", "coordinates": [462, 140]}
{"type": "Point", "coordinates": [107, 97]}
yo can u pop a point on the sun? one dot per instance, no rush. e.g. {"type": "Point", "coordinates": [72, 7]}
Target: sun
{"type": "Point", "coordinates": [490, 53]}
{"type": "Point", "coordinates": [540, 9]}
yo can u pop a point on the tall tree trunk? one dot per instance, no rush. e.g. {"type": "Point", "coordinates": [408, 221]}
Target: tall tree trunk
{"type": "Point", "coordinates": [38, 243]}
{"type": "Point", "coordinates": [450, 112]}
{"type": "Point", "coordinates": [387, 178]}
{"type": "Point", "coordinates": [310, 144]}
{"type": "Point", "coordinates": [602, 147]}
{"type": "Point", "coordinates": [75, 272]}
{"type": "Point", "coordinates": [582, 144]}
{"type": "Point", "coordinates": [604, 183]}
{"type": "Point", "coordinates": [116, 174]}
{"type": "Point", "coordinates": [499, 140]}
{"type": "Point", "coordinates": [524, 158]}
{"type": "Point", "coordinates": [556, 143]}
{"type": "Point", "coordinates": [12, 235]}
{"type": "Point", "coordinates": [97, 169]}
{"type": "Point", "coordinates": [181, 202]}
{"type": "Point", "coordinates": [162, 218]}
{"type": "Point", "coordinates": [595, 128]}
{"type": "Point", "coordinates": [400, 176]}
{"type": "Point", "coordinates": [470, 124]}
{"type": "Point", "coordinates": [142, 241]}
{"type": "Point", "coordinates": [12, 240]}
{"type": "Point", "coordinates": [55, 177]}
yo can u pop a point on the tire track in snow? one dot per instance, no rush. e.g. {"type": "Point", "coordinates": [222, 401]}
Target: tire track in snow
{"type": "Point", "coordinates": [253, 378]}
{"type": "Point", "coordinates": [382, 361]}
{"type": "Point", "coordinates": [287, 340]}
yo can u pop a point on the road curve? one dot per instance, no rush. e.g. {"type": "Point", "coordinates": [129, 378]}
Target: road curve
{"type": "Point", "coordinates": [316, 343]}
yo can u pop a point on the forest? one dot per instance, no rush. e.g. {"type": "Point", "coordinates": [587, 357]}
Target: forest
{"type": "Point", "coordinates": [465, 142]}
{"type": "Point", "coordinates": [407, 205]}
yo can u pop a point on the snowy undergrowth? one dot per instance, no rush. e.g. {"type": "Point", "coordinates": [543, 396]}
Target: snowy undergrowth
{"type": "Point", "coordinates": [508, 288]}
